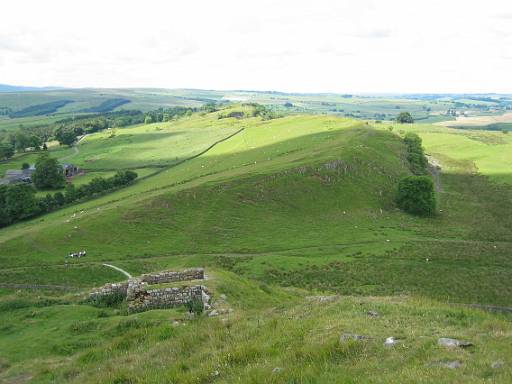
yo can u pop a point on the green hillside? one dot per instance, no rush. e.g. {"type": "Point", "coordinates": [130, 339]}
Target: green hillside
{"type": "Point", "coordinates": [276, 211]}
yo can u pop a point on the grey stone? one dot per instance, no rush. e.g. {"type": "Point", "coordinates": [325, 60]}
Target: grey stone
{"type": "Point", "coordinates": [453, 343]}
{"type": "Point", "coordinates": [497, 364]}
{"type": "Point", "coordinates": [390, 341]}
{"type": "Point", "coordinates": [372, 313]}
{"type": "Point", "coordinates": [454, 364]}
{"type": "Point", "coordinates": [323, 299]}
{"type": "Point", "coordinates": [213, 313]}
{"type": "Point", "coordinates": [277, 370]}
{"type": "Point", "coordinates": [352, 336]}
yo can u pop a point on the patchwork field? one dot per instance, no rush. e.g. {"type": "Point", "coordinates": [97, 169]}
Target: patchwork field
{"type": "Point", "coordinates": [478, 121]}
{"type": "Point", "coordinates": [276, 211]}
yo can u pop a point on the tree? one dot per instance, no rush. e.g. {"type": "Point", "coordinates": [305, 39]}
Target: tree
{"type": "Point", "coordinates": [59, 198]}
{"type": "Point", "coordinates": [48, 173]}
{"type": "Point", "coordinates": [65, 136]}
{"type": "Point", "coordinates": [209, 107]}
{"type": "Point", "coordinates": [25, 166]}
{"type": "Point", "coordinates": [48, 202]}
{"type": "Point", "coordinates": [6, 151]}
{"type": "Point", "coordinates": [148, 119]}
{"type": "Point", "coordinates": [35, 141]}
{"type": "Point", "coordinates": [416, 195]}
{"type": "Point", "coordinates": [17, 202]}
{"type": "Point", "coordinates": [418, 162]}
{"type": "Point", "coordinates": [71, 194]}
{"type": "Point", "coordinates": [404, 118]}
{"type": "Point", "coordinates": [22, 141]}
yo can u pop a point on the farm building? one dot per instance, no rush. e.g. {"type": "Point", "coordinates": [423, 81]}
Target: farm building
{"type": "Point", "coordinates": [13, 176]}
{"type": "Point", "coordinates": [70, 170]}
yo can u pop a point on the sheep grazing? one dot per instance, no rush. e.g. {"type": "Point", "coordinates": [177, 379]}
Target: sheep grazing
{"type": "Point", "coordinates": [76, 254]}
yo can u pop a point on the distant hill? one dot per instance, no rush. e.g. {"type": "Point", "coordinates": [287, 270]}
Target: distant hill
{"type": "Point", "coordinates": [15, 88]}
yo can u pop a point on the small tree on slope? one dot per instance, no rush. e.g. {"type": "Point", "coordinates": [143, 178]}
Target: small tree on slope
{"type": "Point", "coordinates": [416, 195]}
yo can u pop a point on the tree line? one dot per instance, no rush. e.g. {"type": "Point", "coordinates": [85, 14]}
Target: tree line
{"type": "Point", "coordinates": [416, 193]}
{"type": "Point", "coordinates": [167, 114]}
{"type": "Point", "coordinates": [19, 201]}
{"type": "Point", "coordinates": [66, 131]}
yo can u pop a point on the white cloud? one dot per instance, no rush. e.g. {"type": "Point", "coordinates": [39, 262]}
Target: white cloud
{"type": "Point", "coordinates": [289, 45]}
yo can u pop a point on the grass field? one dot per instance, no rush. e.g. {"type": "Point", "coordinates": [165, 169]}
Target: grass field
{"type": "Point", "coordinates": [283, 209]}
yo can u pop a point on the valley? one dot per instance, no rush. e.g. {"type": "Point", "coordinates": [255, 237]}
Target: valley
{"type": "Point", "coordinates": [295, 222]}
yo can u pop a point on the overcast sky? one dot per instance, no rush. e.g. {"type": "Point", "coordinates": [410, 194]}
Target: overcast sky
{"type": "Point", "coordinates": [295, 45]}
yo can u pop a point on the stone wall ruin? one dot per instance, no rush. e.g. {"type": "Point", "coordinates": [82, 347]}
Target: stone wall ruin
{"type": "Point", "coordinates": [141, 297]}
{"type": "Point", "coordinates": [171, 276]}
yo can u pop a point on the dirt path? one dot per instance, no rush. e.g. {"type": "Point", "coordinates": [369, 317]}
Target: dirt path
{"type": "Point", "coordinates": [76, 151]}
{"type": "Point", "coordinates": [434, 168]}
{"type": "Point", "coordinates": [118, 269]}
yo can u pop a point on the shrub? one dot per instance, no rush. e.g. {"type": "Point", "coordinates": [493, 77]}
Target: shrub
{"type": "Point", "coordinates": [416, 195]}
{"type": "Point", "coordinates": [112, 300]}
{"type": "Point", "coordinates": [195, 306]}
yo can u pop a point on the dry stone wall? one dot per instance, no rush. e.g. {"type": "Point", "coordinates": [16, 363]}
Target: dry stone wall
{"type": "Point", "coordinates": [171, 276]}
{"type": "Point", "coordinates": [110, 289]}
{"type": "Point", "coordinates": [146, 299]}
{"type": "Point", "coordinates": [141, 297]}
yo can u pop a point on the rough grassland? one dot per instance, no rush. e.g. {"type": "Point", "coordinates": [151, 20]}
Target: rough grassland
{"type": "Point", "coordinates": [284, 209]}
{"type": "Point", "coordinates": [273, 336]}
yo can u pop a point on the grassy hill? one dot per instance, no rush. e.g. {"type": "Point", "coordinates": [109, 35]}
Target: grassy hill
{"type": "Point", "coordinates": [275, 211]}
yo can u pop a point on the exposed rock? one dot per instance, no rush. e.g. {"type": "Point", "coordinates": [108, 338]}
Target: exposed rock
{"type": "Point", "coordinates": [213, 313]}
{"type": "Point", "coordinates": [223, 296]}
{"type": "Point", "coordinates": [497, 364]}
{"type": "Point", "coordinates": [453, 343]}
{"type": "Point", "coordinates": [352, 336]}
{"type": "Point", "coordinates": [277, 370]}
{"type": "Point", "coordinates": [450, 364]}
{"type": "Point", "coordinates": [205, 297]}
{"type": "Point", "coordinates": [323, 299]}
{"type": "Point", "coordinates": [454, 364]}
{"type": "Point", "coordinates": [390, 342]}
{"type": "Point", "coordinates": [372, 313]}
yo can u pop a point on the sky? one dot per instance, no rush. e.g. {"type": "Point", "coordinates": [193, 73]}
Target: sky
{"type": "Point", "coordinates": [359, 46]}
